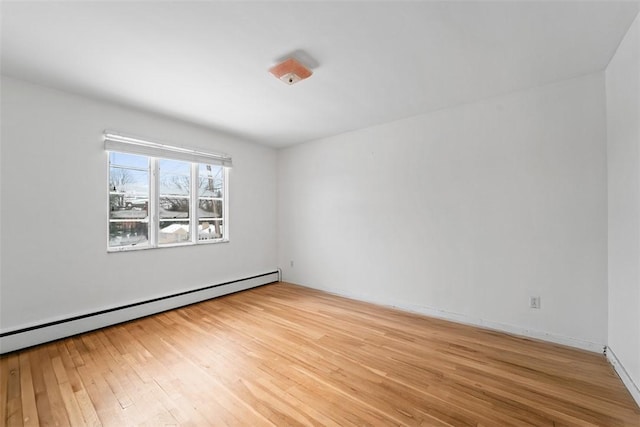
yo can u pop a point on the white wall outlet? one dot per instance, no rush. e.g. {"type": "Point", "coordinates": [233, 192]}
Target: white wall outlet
{"type": "Point", "coordinates": [291, 263]}
{"type": "Point", "coordinates": [534, 302]}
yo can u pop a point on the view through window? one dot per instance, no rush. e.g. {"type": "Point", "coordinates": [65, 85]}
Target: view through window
{"type": "Point", "coordinates": [156, 202]}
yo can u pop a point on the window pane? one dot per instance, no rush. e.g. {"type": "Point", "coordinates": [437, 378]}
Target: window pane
{"type": "Point", "coordinates": [173, 232]}
{"type": "Point", "coordinates": [130, 160]}
{"type": "Point", "coordinates": [210, 229]}
{"type": "Point", "coordinates": [210, 180]}
{"type": "Point", "coordinates": [174, 167]}
{"type": "Point", "coordinates": [134, 209]}
{"type": "Point", "coordinates": [128, 233]}
{"type": "Point", "coordinates": [130, 181]}
{"type": "Point", "coordinates": [128, 193]}
{"type": "Point", "coordinates": [208, 208]}
{"type": "Point", "coordinates": [174, 207]}
{"type": "Point", "coordinates": [175, 177]}
{"type": "Point", "coordinates": [174, 185]}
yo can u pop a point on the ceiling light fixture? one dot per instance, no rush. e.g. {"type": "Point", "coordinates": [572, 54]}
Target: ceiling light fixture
{"type": "Point", "coordinates": [290, 71]}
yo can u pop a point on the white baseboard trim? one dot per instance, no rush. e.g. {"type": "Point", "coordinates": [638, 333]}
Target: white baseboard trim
{"type": "Point", "coordinates": [510, 329]}
{"type": "Point", "coordinates": [486, 324]}
{"type": "Point", "coordinates": [30, 335]}
{"type": "Point", "coordinates": [633, 388]}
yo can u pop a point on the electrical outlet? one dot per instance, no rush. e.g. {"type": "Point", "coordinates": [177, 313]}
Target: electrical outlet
{"type": "Point", "coordinates": [291, 263]}
{"type": "Point", "coordinates": [534, 302]}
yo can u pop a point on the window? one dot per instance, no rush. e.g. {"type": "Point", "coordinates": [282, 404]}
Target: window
{"type": "Point", "coordinates": [164, 200]}
{"type": "Point", "coordinates": [175, 201]}
{"type": "Point", "coordinates": [211, 181]}
{"type": "Point", "coordinates": [128, 200]}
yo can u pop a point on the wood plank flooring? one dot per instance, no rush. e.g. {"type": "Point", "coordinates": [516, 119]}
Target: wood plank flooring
{"type": "Point", "coordinates": [286, 355]}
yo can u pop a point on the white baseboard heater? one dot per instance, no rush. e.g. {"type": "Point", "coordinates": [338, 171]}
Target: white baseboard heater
{"type": "Point", "coordinates": [28, 336]}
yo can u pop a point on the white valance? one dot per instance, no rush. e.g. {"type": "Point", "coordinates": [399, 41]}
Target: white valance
{"type": "Point", "coordinates": [114, 141]}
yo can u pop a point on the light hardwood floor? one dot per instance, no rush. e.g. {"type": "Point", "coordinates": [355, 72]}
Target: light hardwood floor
{"type": "Point", "coordinates": [286, 355]}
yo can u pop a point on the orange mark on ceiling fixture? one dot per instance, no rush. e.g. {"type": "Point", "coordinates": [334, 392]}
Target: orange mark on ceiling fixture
{"type": "Point", "coordinates": [290, 71]}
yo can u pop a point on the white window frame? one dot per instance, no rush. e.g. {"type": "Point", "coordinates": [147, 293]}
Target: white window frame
{"type": "Point", "coordinates": [145, 148]}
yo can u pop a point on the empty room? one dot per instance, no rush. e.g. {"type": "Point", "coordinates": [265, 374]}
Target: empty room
{"type": "Point", "coordinates": [321, 213]}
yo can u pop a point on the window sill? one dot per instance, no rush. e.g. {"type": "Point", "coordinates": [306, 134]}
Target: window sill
{"type": "Point", "coordinates": [176, 245]}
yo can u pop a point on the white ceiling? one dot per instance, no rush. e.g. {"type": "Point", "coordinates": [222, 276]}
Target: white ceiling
{"type": "Point", "coordinates": [373, 62]}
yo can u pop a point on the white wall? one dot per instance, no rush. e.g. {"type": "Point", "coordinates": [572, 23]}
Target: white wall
{"type": "Point", "coordinates": [623, 155]}
{"type": "Point", "coordinates": [54, 235]}
{"type": "Point", "coordinates": [463, 213]}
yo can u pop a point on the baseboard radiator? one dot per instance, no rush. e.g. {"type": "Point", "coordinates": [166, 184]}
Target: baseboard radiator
{"type": "Point", "coordinates": [20, 338]}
